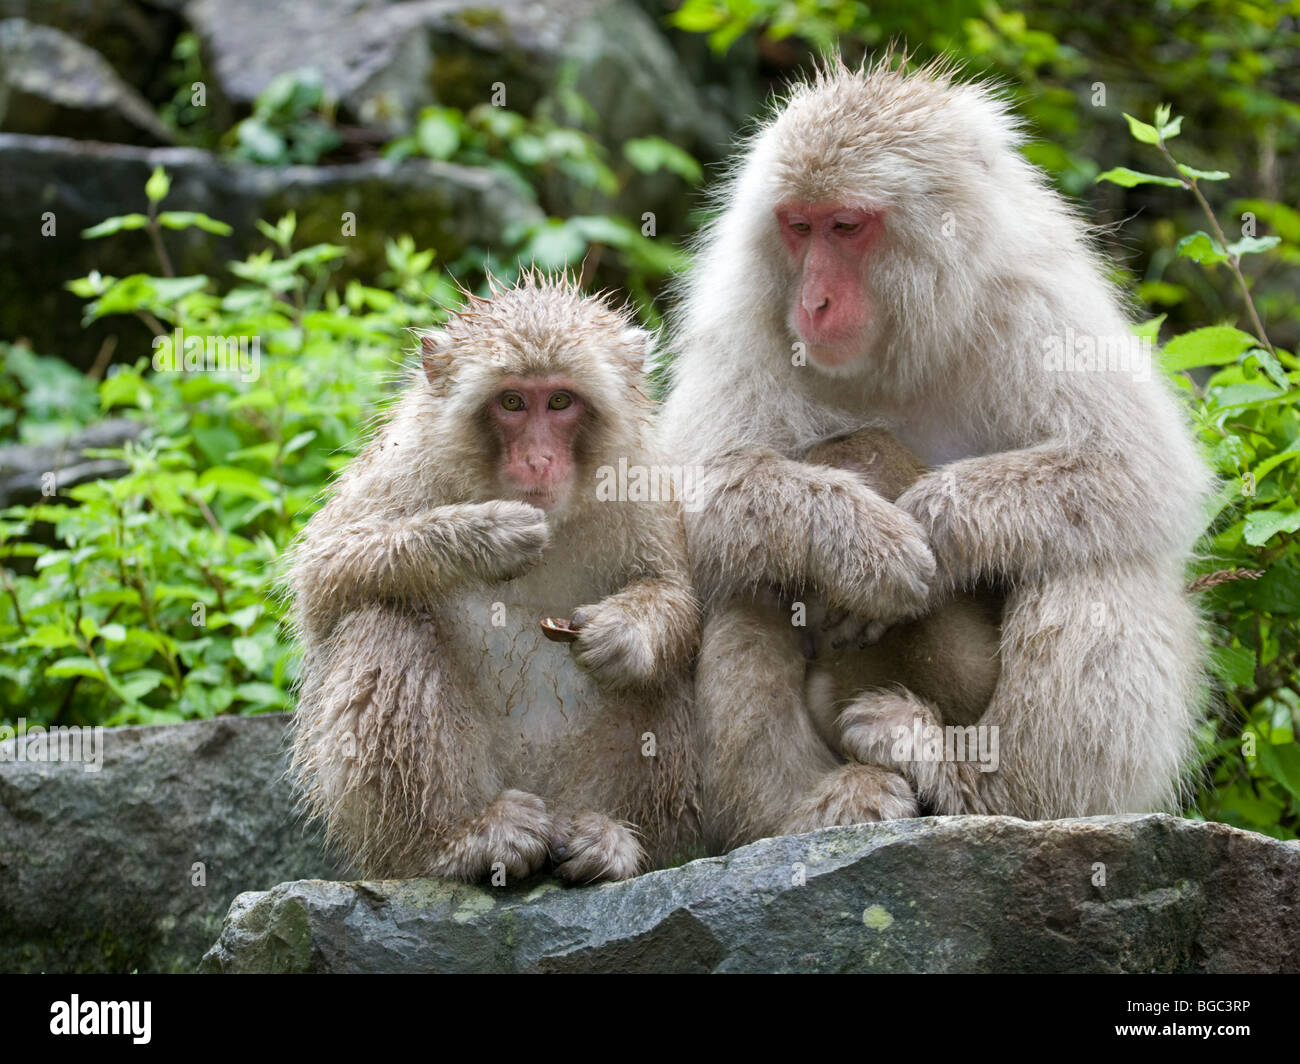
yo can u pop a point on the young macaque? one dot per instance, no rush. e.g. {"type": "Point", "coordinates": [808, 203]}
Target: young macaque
{"type": "Point", "coordinates": [948, 658]}
{"type": "Point", "coordinates": [496, 675]}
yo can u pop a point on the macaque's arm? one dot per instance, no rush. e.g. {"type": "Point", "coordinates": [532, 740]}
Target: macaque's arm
{"type": "Point", "coordinates": [411, 559]}
{"type": "Point", "coordinates": [762, 520]}
{"type": "Point", "coordinates": [638, 636]}
{"type": "Point", "coordinates": [1021, 513]}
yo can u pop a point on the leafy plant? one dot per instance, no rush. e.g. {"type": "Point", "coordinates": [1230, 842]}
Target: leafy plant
{"type": "Point", "coordinates": [292, 122]}
{"type": "Point", "coordinates": [535, 152]}
{"type": "Point", "coordinates": [1244, 394]}
{"type": "Point", "coordinates": [149, 598]}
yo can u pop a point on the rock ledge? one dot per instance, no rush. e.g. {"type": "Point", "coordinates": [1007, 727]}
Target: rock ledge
{"type": "Point", "coordinates": [947, 894]}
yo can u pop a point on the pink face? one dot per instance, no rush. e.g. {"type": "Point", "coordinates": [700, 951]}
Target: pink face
{"type": "Point", "coordinates": [537, 421]}
{"type": "Point", "coordinates": [830, 246]}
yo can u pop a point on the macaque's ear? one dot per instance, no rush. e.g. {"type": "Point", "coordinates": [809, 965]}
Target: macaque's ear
{"type": "Point", "coordinates": [639, 346]}
{"type": "Point", "coordinates": [435, 357]}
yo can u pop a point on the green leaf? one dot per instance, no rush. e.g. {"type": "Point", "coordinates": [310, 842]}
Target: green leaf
{"type": "Point", "coordinates": [652, 154]}
{"type": "Point", "coordinates": [438, 135]}
{"type": "Point", "coordinates": [1235, 666]}
{"type": "Point", "coordinates": [158, 185]}
{"type": "Point", "coordinates": [250, 652]}
{"type": "Point", "coordinates": [1141, 131]}
{"type": "Point", "coordinates": [262, 694]}
{"type": "Point", "coordinates": [139, 683]}
{"type": "Point", "coordinates": [65, 667]}
{"type": "Point", "coordinates": [1204, 175]}
{"type": "Point", "coordinates": [1263, 525]}
{"type": "Point", "coordinates": [1282, 763]}
{"type": "Point", "coordinates": [1122, 175]}
{"type": "Point", "coordinates": [1149, 329]}
{"type": "Point", "coordinates": [193, 219]}
{"type": "Point", "coordinates": [1201, 247]}
{"type": "Point", "coordinates": [1271, 367]}
{"type": "Point", "coordinates": [115, 225]}
{"type": "Point", "coordinates": [1215, 345]}
{"type": "Point", "coordinates": [1252, 245]}
{"type": "Point", "coordinates": [238, 482]}
{"type": "Point", "coordinates": [49, 636]}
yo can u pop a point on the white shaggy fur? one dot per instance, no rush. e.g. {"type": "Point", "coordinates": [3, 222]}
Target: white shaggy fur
{"type": "Point", "coordinates": [1081, 493]}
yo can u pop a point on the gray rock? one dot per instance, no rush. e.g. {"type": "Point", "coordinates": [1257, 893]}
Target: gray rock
{"type": "Point", "coordinates": [97, 868]}
{"type": "Point", "coordinates": [23, 467]}
{"type": "Point", "coordinates": [948, 894]}
{"type": "Point", "coordinates": [53, 84]}
{"type": "Point", "coordinates": [135, 36]}
{"type": "Point", "coordinates": [443, 206]}
{"type": "Point", "coordinates": [384, 61]}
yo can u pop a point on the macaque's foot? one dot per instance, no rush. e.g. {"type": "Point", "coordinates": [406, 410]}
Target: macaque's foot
{"type": "Point", "coordinates": [870, 729]}
{"type": "Point", "coordinates": [613, 646]}
{"type": "Point", "coordinates": [893, 730]}
{"type": "Point", "coordinates": [852, 794]}
{"type": "Point", "coordinates": [590, 846]}
{"type": "Point", "coordinates": [514, 831]}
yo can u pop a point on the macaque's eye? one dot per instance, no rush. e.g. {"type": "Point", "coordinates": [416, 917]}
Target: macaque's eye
{"type": "Point", "coordinates": [560, 401]}
{"type": "Point", "coordinates": [801, 227]}
{"type": "Point", "coordinates": [848, 227]}
{"type": "Point", "coordinates": [511, 401]}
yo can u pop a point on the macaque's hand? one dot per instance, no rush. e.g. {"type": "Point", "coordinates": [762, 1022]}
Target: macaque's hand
{"type": "Point", "coordinates": [842, 633]}
{"type": "Point", "coordinates": [509, 538]}
{"type": "Point", "coordinates": [612, 645]}
{"type": "Point", "coordinates": [879, 568]}
{"type": "Point", "coordinates": [933, 502]}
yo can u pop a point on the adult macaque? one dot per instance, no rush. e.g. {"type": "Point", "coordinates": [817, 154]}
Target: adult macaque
{"type": "Point", "coordinates": [440, 730]}
{"type": "Point", "coordinates": [886, 256]}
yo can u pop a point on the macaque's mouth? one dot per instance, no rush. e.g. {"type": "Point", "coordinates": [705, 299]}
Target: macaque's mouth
{"type": "Point", "coordinates": [543, 498]}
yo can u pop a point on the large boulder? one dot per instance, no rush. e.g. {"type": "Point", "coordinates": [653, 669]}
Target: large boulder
{"type": "Point", "coordinates": [948, 894]}
{"type": "Point", "coordinates": [131, 867]}
{"type": "Point", "coordinates": [384, 61]}
{"type": "Point", "coordinates": [52, 83]}
{"type": "Point", "coordinates": [443, 206]}
{"type": "Point", "coordinates": [135, 36]}
{"type": "Point", "coordinates": [23, 468]}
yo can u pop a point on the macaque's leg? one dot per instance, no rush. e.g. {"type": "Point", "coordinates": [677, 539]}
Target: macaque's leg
{"type": "Point", "coordinates": [386, 743]}
{"type": "Point", "coordinates": [768, 770]}
{"type": "Point", "coordinates": [852, 794]}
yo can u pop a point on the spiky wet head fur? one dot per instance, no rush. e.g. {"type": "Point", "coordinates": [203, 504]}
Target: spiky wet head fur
{"type": "Point", "coordinates": [541, 327]}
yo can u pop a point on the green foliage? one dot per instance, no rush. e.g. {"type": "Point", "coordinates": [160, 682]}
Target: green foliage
{"type": "Point", "coordinates": [292, 122]}
{"type": "Point", "coordinates": [538, 152]}
{"type": "Point", "coordinates": [148, 598]}
{"type": "Point", "coordinates": [1243, 394]}
{"type": "Point", "coordinates": [190, 118]}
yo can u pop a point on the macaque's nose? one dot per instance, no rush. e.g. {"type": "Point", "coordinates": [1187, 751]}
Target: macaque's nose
{"type": "Point", "coordinates": [816, 306]}
{"type": "Point", "coordinates": [539, 463]}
